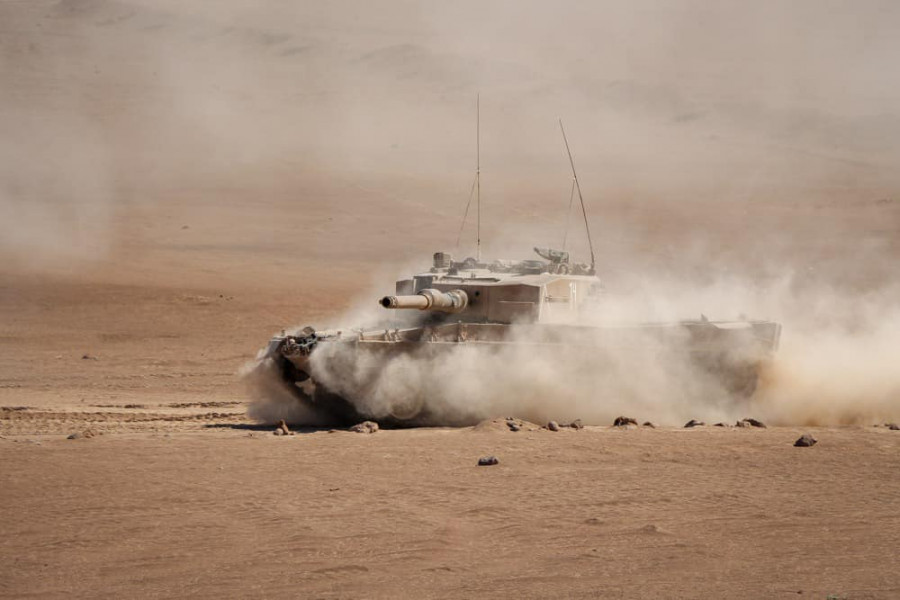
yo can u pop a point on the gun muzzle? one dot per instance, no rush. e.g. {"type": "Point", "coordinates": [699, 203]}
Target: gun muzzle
{"type": "Point", "coordinates": [453, 301]}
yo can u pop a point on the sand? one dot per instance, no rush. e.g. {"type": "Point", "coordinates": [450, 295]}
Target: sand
{"type": "Point", "coordinates": [179, 183]}
{"type": "Point", "coordinates": [593, 513]}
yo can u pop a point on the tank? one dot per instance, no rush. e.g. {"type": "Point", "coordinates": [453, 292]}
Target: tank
{"type": "Point", "coordinates": [519, 311]}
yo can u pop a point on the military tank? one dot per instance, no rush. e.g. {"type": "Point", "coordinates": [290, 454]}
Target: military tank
{"type": "Point", "coordinates": [472, 339]}
{"type": "Point", "coordinates": [535, 308]}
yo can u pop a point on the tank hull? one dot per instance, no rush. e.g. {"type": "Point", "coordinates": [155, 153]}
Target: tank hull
{"type": "Point", "coordinates": [336, 373]}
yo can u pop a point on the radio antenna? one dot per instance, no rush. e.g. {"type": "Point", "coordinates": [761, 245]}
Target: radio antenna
{"type": "Point", "coordinates": [476, 186]}
{"type": "Point", "coordinates": [580, 197]}
{"type": "Point", "coordinates": [465, 214]}
{"type": "Point", "coordinates": [569, 215]}
{"type": "Point", "coordinates": [478, 176]}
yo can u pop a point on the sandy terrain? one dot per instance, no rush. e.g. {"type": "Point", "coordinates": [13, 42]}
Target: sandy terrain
{"type": "Point", "coordinates": [177, 183]}
{"type": "Point", "coordinates": [587, 514]}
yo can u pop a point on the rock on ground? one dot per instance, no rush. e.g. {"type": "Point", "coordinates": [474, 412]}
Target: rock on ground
{"type": "Point", "coordinates": [806, 441]}
{"type": "Point", "coordinates": [365, 427]}
{"type": "Point", "coordinates": [512, 424]}
{"type": "Point", "coordinates": [282, 429]}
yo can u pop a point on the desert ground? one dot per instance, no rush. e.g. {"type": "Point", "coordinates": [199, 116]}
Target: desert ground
{"type": "Point", "coordinates": [180, 181]}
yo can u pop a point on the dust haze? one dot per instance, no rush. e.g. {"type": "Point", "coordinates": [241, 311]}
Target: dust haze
{"type": "Point", "coordinates": [736, 159]}
{"type": "Point", "coordinates": [835, 364]}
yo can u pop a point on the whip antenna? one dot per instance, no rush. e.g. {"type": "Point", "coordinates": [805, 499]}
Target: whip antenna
{"type": "Point", "coordinates": [569, 215]}
{"type": "Point", "coordinates": [465, 214]}
{"type": "Point", "coordinates": [478, 176]}
{"type": "Point", "coordinates": [580, 197]}
{"type": "Point", "coordinates": [476, 186]}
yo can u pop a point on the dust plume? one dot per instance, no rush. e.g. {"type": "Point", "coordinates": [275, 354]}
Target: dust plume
{"type": "Point", "coordinates": [464, 385]}
{"type": "Point", "coordinates": [836, 363]}
{"type": "Point", "coordinates": [839, 365]}
{"type": "Point", "coordinates": [273, 398]}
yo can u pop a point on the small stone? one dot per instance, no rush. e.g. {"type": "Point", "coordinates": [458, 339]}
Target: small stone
{"type": "Point", "coordinates": [720, 424]}
{"type": "Point", "coordinates": [623, 421]}
{"type": "Point", "coordinates": [742, 424]}
{"type": "Point", "coordinates": [694, 423]}
{"type": "Point", "coordinates": [487, 461]}
{"type": "Point", "coordinates": [278, 431]}
{"type": "Point", "coordinates": [512, 426]}
{"type": "Point", "coordinates": [649, 424]}
{"type": "Point", "coordinates": [75, 436]}
{"type": "Point", "coordinates": [553, 426]}
{"type": "Point", "coordinates": [806, 441]}
{"type": "Point", "coordinates": [88, 357]}
{"type": "Point", "coordinates": [282, 426]}
{"type": "Point", "coordinates": [754, 423]}
{"type": "Point", "coordinates": [365, 427]}
{"type": "Point", "coordinates": [893, 427]}
{"type": "Point", "coordinates": [576, 424]}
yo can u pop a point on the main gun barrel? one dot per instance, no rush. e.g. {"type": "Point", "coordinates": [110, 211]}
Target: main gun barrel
{"type": "Point", "coordinates": [453, 301]}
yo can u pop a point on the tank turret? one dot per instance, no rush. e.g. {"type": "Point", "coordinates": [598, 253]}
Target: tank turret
{"type": "Point", "coordinates": [453, 301]}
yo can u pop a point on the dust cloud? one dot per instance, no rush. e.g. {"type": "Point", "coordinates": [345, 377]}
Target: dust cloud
{"type": "Point", "coordinates": [836, 364]}
{"type": "Point", "coordinates": [462, 385]}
